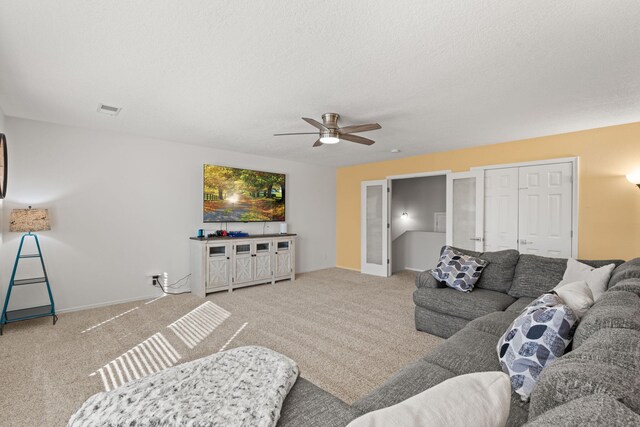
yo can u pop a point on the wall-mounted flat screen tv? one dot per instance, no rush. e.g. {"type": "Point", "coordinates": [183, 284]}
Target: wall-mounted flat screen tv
{"type": "Point", "coordinates": [242, 195]}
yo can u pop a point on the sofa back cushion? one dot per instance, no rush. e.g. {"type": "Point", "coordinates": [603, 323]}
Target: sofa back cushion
{"type": "Point", "coordinates": [498, 274]}
{"type": "Point", "coordinates": [627, 285]}
{"type": "Point", "coordinates": [628, 270]}
{"type": "Point", "coordinates": [608, 363]}
{"type": "Point", "coordinates": [593, 410]}
{"type": "Point", "coordinates": [614, 309]}
{"type": "Point", "coordinates": [535, 275]}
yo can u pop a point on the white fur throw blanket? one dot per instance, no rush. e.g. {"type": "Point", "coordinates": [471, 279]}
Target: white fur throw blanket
{"type": "Point", "coordinates": [245, 386]}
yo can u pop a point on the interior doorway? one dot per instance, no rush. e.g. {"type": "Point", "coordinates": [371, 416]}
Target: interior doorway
{"type": "Point", "coordinates": [417, 215]}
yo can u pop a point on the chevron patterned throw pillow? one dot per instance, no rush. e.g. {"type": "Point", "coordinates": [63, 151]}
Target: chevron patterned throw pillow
{"type": "Point", "coordinates": [457, 270]}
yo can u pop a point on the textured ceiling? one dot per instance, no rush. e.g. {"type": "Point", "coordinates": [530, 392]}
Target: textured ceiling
{"type": "Point", "coordinates": [436, 75]}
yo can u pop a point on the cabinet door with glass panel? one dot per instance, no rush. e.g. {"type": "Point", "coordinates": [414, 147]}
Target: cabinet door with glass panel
{"type": "Point", "coordinates": [262, 259]}
{"type": "Point", "coordinates": [284, 259]}
{"type": "Point", "coordinates": [218, 266]}
{"type": "Point", "coordinates": [243, 263]}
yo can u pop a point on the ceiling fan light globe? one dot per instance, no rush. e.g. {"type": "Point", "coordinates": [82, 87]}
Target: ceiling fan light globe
{"type": "Point", "coordinates": [329, 140]}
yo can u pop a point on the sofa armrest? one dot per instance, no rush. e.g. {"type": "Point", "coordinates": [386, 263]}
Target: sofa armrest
{"type": "Point", "coordinates": [425, 279]}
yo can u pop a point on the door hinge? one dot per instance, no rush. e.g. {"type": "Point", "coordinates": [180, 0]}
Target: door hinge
{"type": "Point", "coordinates": [572, 234]}
{"type": "Point", "coordinates": [388, 190]}
{"type": "Point", "coordinates": [388, 225]}
{"type": "Point", "coordinates": [388, 262]}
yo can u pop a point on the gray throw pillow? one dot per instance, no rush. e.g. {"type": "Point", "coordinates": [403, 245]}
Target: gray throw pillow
{"type": "Point", "coordinates": [535, 340]}
{"type": "Point", "coordinates": [457, 270]}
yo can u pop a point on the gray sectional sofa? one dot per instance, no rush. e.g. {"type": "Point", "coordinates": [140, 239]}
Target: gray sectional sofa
{"type": "Point", "coordinates": [596, 383]}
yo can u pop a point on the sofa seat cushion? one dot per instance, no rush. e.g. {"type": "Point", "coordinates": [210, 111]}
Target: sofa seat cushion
{"type": "Point", "coordinates": [493, 323]}
{"type": "Point", "coordinates": [520, 304]}
{"type": "Point", "coordinates": [466, 305]}
{"type": "Point", "coordinates": [409, 381]}
{"type": "Point", "coordinates": [536, 275]}
{"type": "Point", "coordinates": [590, 411]}
{"type": "Point", "coordinates": [614, 309]}
{"type": "Point", "coordinates": [438, 324]}
{"type": "Point", "coordinates": [469, 350]}
{"type": "Point", "coordinates": [309, 405]}
{"type": "Point", "coordinates": [607, 363]}
{"type": "Point", "coordinates": [498, 274]}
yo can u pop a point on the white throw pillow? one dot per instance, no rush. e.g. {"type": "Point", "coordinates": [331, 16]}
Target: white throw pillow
{"type": "Point", "coordinates": [478, 399]}
{"type": "Point", "coordinates": [576, 295]}
{"type": "Point", "coordinates": [596, 278]}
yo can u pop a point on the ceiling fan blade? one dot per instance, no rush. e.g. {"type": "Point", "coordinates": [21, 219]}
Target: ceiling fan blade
{"type": "Point", "coordinates": [299, 133]}
{"type": "Point", "coordinates": [315, 123]}
{"type": "Point", "coordinates": [356, 138]}
{"type": "Point", "coordinates": [317, 143]}
{"type": "Point", "coordinates": [360, 128]}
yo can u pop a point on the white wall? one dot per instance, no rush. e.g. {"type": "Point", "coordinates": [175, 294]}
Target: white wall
{"type": "Point", "coordinates": [420, 198]}
{"type": "Point", "coordinates": [123, 207]}
{"type": "Point", "coordinates": [417, 250]}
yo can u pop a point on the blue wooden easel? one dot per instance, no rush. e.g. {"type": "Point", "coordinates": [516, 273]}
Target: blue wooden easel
{"type": "Point", "coordinates": [31, 312]}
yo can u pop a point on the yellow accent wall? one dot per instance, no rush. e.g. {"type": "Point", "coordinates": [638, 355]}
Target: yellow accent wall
{"type": "Point", "coordinates": [609, 206]}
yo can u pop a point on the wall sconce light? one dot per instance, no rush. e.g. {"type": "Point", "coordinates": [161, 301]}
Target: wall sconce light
{"type": "Point", "coordinates": [405, 215]}
{"type": "Point", "coordinates": [634, 178]}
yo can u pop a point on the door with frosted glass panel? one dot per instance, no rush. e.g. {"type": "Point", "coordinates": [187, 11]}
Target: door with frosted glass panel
{"type": "Point", "coordinates": [374, 228]}
{"type": "Point", "coordinates": [465, 210]}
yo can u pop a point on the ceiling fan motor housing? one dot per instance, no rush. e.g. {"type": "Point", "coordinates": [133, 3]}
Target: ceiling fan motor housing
{"type": "Point", "coordinates": [330, 120]}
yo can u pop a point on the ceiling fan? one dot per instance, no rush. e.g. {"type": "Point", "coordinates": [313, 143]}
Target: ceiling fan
{"type": "Point", "coordinates": [330, 133]}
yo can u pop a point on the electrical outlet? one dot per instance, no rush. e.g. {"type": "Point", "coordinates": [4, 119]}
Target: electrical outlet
{"type": "Point", "coordinates": [155, 279]}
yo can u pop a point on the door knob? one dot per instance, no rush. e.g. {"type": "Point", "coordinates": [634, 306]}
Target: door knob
{"type": "Point", "coordinates": [524, 242]}
{"type": "Point", "coordinates": [476, 239]}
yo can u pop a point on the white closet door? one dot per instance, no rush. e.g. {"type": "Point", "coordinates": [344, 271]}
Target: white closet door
{"type": "Point", "coordinates": [374, 228]}
{"type": "Point", "coordinates": [465, 210]}
{"type": "Point", "coordinates": [501, 209]}
{"type": "Point", "coordinates": [545, 219]}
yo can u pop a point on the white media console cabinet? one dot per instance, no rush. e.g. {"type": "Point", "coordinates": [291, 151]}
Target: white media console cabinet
{"type": "Point", "coordinates": [227, 263]}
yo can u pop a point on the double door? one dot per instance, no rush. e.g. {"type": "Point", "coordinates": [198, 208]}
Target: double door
{"type": "Point", "coordinates": [253, 260]}
{"type": "Point", "coordinates": [528, 208]}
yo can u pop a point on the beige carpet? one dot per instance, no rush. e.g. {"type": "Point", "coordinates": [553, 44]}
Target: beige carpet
{"type": "Point", "coordinates": [348, 332]}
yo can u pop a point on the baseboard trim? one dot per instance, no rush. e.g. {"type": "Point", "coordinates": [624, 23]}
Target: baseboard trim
{"type": "Point", "coordinates": [104, 304]}
{"type": "Point", "coordinates": [348, 268]}
{"type": "Point", "coordinates": [414, 269]}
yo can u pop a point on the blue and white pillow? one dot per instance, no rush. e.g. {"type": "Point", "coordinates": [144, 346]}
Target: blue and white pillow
{"type": "Point", "coordinates": [535, 340]}
{"type": "Point", "coordinates": [457, 270]}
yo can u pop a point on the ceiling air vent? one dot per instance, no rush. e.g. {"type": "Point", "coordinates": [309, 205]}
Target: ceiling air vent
{"type": "Point", "coordinates": [108, 109]}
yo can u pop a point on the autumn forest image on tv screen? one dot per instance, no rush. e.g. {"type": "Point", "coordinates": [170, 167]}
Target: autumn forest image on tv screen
{"type": "Point", "coordinates": [242, 195]}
